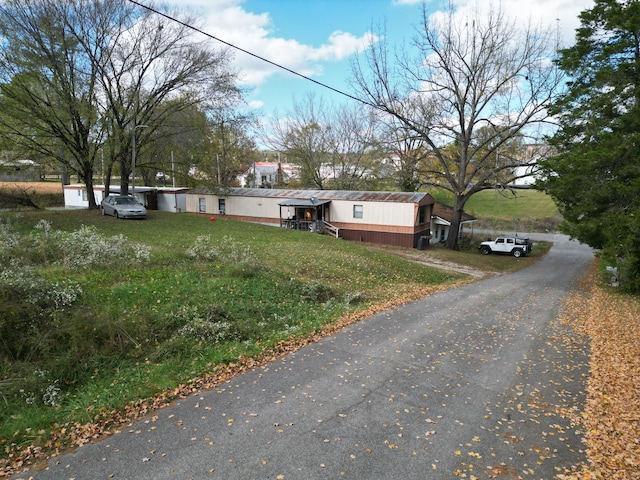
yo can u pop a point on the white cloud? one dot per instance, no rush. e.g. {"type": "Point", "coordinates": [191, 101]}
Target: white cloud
{"type": "Point", "coordinates": [255, 104]}
{"type": "Point", "coordinates": [340, 46]}
{"type": "Point", "coordinates": [406, 2]}
{"type": "Point", "coordinates": [228, 21]}
{"type": "Point", "coordinates": [561, 14]}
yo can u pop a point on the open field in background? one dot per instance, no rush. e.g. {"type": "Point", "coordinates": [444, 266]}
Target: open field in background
{"type": "Point", "coordinates": [26, 194]}
{"type": "Point", "coordinates": [38, 187]}
{"type": "Point", "coordinates": [497, 210]}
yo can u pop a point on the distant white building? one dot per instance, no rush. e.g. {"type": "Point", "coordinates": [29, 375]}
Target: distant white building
{"type": "Point", "coordinates": [268, 174]}
{"type": "Point", "coordinates": [528, 172]}
{"type": "Point", "coordinates": [19, 171]}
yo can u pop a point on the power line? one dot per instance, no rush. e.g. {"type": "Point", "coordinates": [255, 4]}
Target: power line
{"type": "Point", "coordinates": [277, 65]}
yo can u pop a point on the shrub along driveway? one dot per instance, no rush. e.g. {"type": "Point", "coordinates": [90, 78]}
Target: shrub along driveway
{"type": "Point", "coordinates": [473, 381]}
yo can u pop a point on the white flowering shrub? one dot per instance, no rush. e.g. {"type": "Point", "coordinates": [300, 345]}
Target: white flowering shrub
{"type": "Point", "coordinates": [9, 240]}
{"type": "Point", "coordinates": [82, 248]}
{"type": "Point", "coordinates": [210, 326]}
{"type": "Point", "coordinates": [206, 331]}
{"type": "Point", "coordinates": [44, 226]}
{"type": "Point", "coordinates": [237, 252]}
{"type": "Point", "coordinates": [316, 292]}
{"type": "Point", "coordinates": [26, 284]}
{"type": "Point", "coordinates": [86, 247]}
{"type": "Point", "coordinates": [202, 249]}
{"type": "Point", "coordinates": [40, 388]}
{"type": "Point", "coordinates": [228, 250]}
{"type": "Point", "coordinates": [51, 395]}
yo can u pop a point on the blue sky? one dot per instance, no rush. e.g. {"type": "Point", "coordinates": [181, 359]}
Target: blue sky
{"type": "Point", "coordinates": [319, 38]}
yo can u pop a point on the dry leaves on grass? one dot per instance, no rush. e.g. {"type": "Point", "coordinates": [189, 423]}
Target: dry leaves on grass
{"type": "Point", "coordinates": [611, 419]}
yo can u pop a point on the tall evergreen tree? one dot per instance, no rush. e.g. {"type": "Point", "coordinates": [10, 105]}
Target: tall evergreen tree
{"type": "Point", "coordinates": [595, 176]}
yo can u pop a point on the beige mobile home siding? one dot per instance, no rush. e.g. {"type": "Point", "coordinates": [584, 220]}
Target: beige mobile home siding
{"type": "Point", "coordinates": [373, 213]}
{"type": "Point", "coordinates": [387, 217]}
{"type": "Point", "coordinates": [251, 209]}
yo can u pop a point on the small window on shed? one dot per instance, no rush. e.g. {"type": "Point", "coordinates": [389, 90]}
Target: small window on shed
{"type": "Point", "coordinates": [357, 211]}
{"type": "Point", "coordinates": [202, 205]}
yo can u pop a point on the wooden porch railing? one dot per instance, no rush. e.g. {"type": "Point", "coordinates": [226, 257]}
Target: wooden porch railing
{"type": "Point", "coordinates": [317, 226]}
{"type": "Point", "coordinates": [329, 229]}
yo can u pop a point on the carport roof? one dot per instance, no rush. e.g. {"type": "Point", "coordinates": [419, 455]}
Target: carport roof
{"type": "Point", "coordinates": [297, 202]}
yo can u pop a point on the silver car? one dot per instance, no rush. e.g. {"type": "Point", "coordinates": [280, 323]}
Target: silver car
{"type": "Point", "coordinates": [122, 206]}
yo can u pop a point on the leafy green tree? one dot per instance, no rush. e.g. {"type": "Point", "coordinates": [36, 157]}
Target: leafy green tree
{"type": "Point", "coordinates": [48, 87]}
{"type": "Point", "coordinates": [595, 176]}
{"type": "Point", "coordinates": [465, 73]}
{"type": "Point", "coordinates": [78, 77]}
{"type": "Point", "coordinates": [177, 144]}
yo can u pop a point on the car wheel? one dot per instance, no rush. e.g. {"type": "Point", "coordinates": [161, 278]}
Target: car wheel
{"type": "Point", "coordinates": [102, 210]}
{"type": "Point", "coordinates": [485, 250]}
{"type": "Point", "coordinates": [115, 213]}
{"type": "Point", "coordinates": [516, 252]}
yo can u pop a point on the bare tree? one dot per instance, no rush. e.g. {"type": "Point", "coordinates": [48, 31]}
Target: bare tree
{"type": "Point", "coordinates": [335, 146]}
{"type": "Point", "coordinates": [469, 71]}
{"type": "Point", "coordinates": [354, 148]}
{"type": "Point", "coordinates": [408, 155]}
{"type": "Point", "coordinates": [79, 76]}
{"type": "Point", "coordinates": [154, 69]}
{"type": "Point", "coordinates": [304, 136]}
{"type": "Point", "coordinates": [48, 86]}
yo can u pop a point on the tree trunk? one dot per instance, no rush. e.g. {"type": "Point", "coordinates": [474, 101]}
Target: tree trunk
{"type": "Point", "coordinates": [456, 221]}
{"type": "Point", "coordinates": [107, 180]}
{"type": "Point", "coordinates": [124, 176]}
{"type": "Point", "coordinates": [88, 181]}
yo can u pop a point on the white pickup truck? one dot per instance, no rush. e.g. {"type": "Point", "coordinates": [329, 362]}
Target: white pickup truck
{"type": "Point", "coordinates": [513, 245]}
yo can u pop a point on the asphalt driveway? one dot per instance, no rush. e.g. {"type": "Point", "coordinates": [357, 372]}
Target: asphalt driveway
{"type": "Point", "coordinates": [468, 382]}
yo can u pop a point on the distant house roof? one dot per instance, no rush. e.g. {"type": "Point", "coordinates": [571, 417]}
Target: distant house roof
{"type": "Point", "coordinates": [445, 213]}
{"type": "Point", "coordinates": [320, 195]}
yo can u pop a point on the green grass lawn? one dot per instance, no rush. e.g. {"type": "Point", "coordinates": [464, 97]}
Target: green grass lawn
{"type": "Point", "coordinates": [527, 203]}
{"type": "Point", "coordinates": [139, 329]}
{"type": "Point", "coordinates": [499, 210]}
{"type": "Point", "coordinates": [86, 335]}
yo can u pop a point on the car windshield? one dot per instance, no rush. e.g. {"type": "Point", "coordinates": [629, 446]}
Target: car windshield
{"type": "Point", "coordinates": [125, 201]}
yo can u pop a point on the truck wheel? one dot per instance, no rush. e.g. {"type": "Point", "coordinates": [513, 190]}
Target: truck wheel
{"type": "Point", "coordinates": [485, 250]}
{"type": "Point", "coordinates": [516, 252]}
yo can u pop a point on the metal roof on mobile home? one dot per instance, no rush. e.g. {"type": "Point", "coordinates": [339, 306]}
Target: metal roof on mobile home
{"type": "Point", "coordinates": [348, 195]}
